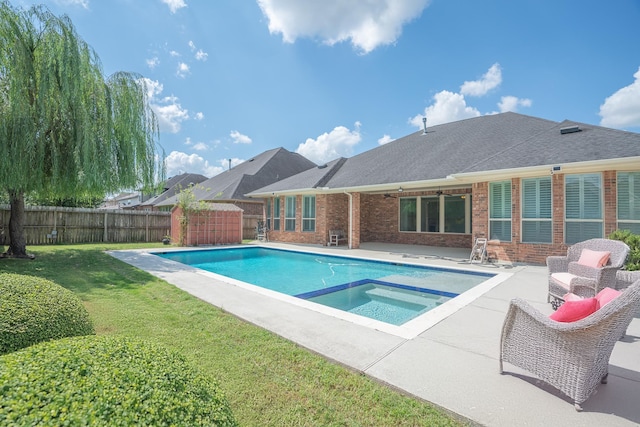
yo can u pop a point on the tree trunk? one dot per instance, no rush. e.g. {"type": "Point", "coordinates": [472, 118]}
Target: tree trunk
{"type": "Point", "coordinates": [18, 245]}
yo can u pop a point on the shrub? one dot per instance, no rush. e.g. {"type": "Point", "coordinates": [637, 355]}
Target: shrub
{"type": "Point", "coordinates": [101, 380]}
{"type": "Point", "coordinates": [33, 309]}
{"type": "Point", "coordinates": [633, 241]}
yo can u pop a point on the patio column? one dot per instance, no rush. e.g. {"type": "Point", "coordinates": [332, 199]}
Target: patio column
{"type": "Point", "coordinates": [354, 221]}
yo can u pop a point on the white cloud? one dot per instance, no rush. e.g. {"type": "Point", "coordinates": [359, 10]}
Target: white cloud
{"type": "Point", "coordinates": [175, 5]}
{"type": "Point", "coordinates": [511, 103]}
{"type": "Point", "coordinates": [200, 146]}
{"type": "Point", "coordinates": [168, 110]}
{"type": "Point", "coordinates": [183, 70]}
{"type": "Point", "coordinates": [366, 25]}
{"type": "Point", "coordinates": [178, 163]}
{"type": "Point", "coordinates": [199, 115]}
{"type": "Point", "coordinates": [447, 107]}
{"type": "Point", "coordinates": [491, 80]}
{"type": "Point", "coordinates": [174, 53]}
{"type": "Point", "coordinates": [201, 55]}
{"type": "Point", "coordinates": [239, 138]}
{"type": "Point", "coordinates": [385, 140]}
{"type": "Point", "coordinates": [329, 146]}
{"type": "Point", "coordinates": [622, 109]}
{"type": "Point", "coordinates": [153, 62]}
{"type": "Point", "coordinates": [83, 3]}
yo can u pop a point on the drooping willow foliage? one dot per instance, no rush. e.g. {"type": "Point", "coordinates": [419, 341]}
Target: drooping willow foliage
{"type": "Point", "coordinates": [65, 129]}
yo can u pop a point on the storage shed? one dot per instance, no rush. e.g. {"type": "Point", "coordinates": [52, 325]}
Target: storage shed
{"type": "Point", "coordinates": [217, 224]}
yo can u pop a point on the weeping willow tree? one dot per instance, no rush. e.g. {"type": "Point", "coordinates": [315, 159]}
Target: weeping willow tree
{"type": "Point", "coordinates": [65, 129]}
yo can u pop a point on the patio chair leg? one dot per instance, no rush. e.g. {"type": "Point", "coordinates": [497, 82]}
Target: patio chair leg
{"type": "Point", "coordinates": [605, 379]}
{"type": "Point", "coordinates": [578, 407]}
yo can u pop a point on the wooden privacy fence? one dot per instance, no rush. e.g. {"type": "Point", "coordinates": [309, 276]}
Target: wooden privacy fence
{"type": "Point", "coordinates": [48, 224]}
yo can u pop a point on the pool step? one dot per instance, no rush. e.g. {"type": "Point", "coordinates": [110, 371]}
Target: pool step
{"type": "Point", "coordinates": [423, 299]}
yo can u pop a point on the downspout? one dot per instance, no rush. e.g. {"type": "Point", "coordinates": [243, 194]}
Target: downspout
{"type": "Point", "coordinates": [350, 216]}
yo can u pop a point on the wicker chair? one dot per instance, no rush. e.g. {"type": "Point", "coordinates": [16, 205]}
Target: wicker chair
{"type": "Point", "coordinates": [572, 357]}
{"type": "Point", "coordinates": [585, 281]}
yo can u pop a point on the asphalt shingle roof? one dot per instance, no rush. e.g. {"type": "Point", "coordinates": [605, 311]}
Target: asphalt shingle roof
{"type": "Point", "coordinates": [260, 171]}
{"type": "Point", "coordinates": [486, 143]}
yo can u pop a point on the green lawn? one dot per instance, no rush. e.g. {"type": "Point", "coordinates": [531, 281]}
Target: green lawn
{"type": "Point", "coordinates": [268, 380]}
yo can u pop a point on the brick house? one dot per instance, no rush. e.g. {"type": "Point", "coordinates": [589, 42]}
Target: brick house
{"type": "Point", "coordinates": [231, 185]}
{"type": "Point", "coordinates": [530, 185]}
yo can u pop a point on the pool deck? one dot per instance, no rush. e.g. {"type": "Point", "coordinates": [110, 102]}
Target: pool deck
{"type": "Point", "coordinates": [454, 363]}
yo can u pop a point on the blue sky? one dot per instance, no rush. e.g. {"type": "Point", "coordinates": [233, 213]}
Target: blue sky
{"type": "Point", "coordinates": [230, 79]}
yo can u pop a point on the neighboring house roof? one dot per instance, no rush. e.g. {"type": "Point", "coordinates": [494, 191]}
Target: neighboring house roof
{"type": "Point", "coordinates": [174, 185]}
{"type": "Point", "coordinates": [259, 171]}
{"type": "Point", "coordinates": [473, 146]}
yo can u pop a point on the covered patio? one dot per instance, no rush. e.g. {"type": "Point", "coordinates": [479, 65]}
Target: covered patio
{"type": "Point", "coordinates": [454, 363]}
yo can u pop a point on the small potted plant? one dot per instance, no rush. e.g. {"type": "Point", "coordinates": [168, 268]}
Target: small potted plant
{"type": "Point", "coordinates": [166, 240]}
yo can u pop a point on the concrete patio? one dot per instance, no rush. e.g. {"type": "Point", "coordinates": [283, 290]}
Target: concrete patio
{"type": "Point", "coordinates": [453, 364]}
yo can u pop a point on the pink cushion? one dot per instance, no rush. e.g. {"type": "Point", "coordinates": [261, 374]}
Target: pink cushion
{"type": "Point", "coordinates": [595, 259]}
{"type": "Point", "coordinates": [605, 296]}
{"type": "Point", "coordinates": [571, 297]}
{"type": "Point", "coordinates": [571, 311]}
{"type": "Point", "coordinates": [563, 279]}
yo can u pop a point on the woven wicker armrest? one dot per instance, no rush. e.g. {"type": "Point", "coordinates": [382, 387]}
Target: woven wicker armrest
{"type": "Point", "coordinates": [557, 264]}
{"type": "Point", "coordinates": [583, 270]}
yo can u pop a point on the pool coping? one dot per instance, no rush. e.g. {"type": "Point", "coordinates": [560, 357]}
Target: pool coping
{"type": "Point", "coordinates": [408, 330]}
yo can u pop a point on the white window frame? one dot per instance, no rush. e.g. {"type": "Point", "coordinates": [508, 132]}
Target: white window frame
{"type": "Point", "coordinates": [500, 217]}
{"type": "Point", "coordinates": [308, 218]}
{"type": "Point", "coordinates": [628, 197]}
{"type": "Point", "coordinates": [582, 180]}
{"type": "Point", "coordinates": [539, 207]}
{"type": "Point", "coordinates": [290, 221]}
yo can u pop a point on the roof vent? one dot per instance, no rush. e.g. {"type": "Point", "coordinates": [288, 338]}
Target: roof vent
{"type": "Point", "coordinates": [424, 125]}
{"type": "Point", "coordinates": [322, 166]}
{"type": "Point", "coordinates": [570, 129]}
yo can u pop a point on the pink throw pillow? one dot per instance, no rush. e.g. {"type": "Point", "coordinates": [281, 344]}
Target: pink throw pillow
{"type": "Point", "coordinates": [571, 311]}
{"type": "Point", "coordinates": [605, 296]}
{"type": "Point", "coordinates": [595, 259]}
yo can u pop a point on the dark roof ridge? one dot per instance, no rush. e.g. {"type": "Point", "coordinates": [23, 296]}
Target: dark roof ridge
{"type": "Point", "coordinates": [330, 173]}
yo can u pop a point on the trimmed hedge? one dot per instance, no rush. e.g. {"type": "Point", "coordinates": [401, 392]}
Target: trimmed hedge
{"type": "Point", "coordinates": [33, 309]}
{"type": "Point", "coordinates": [633, 241]}
{"type": "Point", "coordinates": [102, 380]}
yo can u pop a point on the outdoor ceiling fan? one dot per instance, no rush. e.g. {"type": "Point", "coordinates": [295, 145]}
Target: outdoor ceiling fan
{"type": "Point", "coordinates": [389, 196]}
{"type": "Point", "coordinates": [440, 193]}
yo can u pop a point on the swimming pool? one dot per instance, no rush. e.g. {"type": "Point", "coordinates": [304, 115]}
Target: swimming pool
{"type": "Point", "coordinates": [388, 292]}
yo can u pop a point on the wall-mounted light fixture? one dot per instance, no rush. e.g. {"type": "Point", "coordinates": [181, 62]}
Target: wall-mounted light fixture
{"type": "Point", "coordinates": [400, 190]}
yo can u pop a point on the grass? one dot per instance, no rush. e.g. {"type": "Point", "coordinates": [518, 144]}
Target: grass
{"type": "Point", "coordinates": [268, 380]}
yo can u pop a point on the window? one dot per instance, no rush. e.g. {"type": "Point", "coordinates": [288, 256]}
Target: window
{"type": "Point", "coordinates": [408, 214]}
{"type": "Point", "coordinates": [430, 214]}
{"type": "Point", "coordinates": [276, 214]}
{"type": "Point", "coordinates": [433, 214]}
{"type": "Point", "coordinates": [454, 214]}
{"type": "Point", "coordinates": [290, 213]}
{"type": "Point", "coordinates": [629, 201]}
{"type": "Point", "coordinates": [500, 210]}
{"type": "Point", "coordinates": [536, 210]}
{"type": "Point", "coordinates": [583, 207]}
{"type": "Point", "coordinates": [268, 214]}
{"type": "Point", "coordinates": [309, 213]}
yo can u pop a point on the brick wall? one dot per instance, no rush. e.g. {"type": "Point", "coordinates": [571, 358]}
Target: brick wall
{"type": "Point", "coordinates": [376, 219]}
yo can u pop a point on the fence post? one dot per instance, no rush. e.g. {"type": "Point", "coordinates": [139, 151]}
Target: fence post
{"type": "Point", "coordinates": [146, 231]}
{"type": "Point", "coordinates": [105, 236]}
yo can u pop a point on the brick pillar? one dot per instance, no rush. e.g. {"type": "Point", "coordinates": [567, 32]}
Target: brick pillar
{"type": "Point", "coordinates": [480, 209]}
{"type": "Point", "coordinates": [355, 216]}
{"type": "Point", "coordinates": [557, 191]}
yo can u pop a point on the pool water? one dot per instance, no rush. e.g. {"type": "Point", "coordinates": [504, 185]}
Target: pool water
{"type": "Point", "coordinates": [388, 292]}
